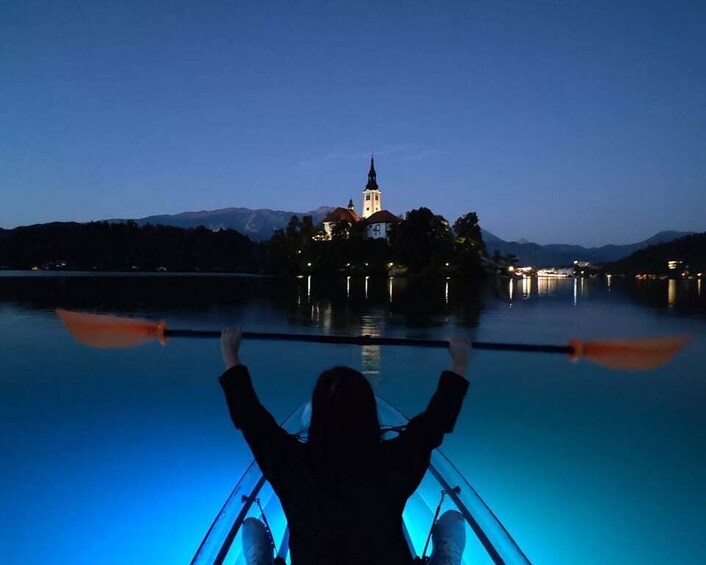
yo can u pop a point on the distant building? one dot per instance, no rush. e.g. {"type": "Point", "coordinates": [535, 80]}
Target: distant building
{"type": "Point", "coordinates": [347, 215]}
{"type": "Point", "coordinates": [377, 221]}
{"type": "Point", "coordinates": [378, 225]}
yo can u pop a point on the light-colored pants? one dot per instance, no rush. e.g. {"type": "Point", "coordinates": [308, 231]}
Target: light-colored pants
{"type": "Point", "coordinates": [448, 539]}
{"type": "Point", "coordinates": [257, 545]}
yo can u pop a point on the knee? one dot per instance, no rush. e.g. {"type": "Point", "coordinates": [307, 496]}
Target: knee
{"type": "Point", "coordinates": [451, 517]}
{"type": "Point", "coordinates": [254, 529]}
{"type": "Point", "coordinates": [451, 524]}
{"type": "Point", "coordinates": [252, 524]}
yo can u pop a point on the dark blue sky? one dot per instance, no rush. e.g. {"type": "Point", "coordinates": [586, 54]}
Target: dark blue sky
{"type": "Point", "coordinates": [574, 122]}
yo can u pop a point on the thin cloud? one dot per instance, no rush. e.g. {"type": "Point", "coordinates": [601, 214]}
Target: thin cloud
{"type": "Point", "coordinates": [401, 152]}
{"type": "Point", "coordinates": [318, 162]}
{"type": "Point", "coordinates": [330, 158]}
{"type": "Point", "coordinates": [420, 155]}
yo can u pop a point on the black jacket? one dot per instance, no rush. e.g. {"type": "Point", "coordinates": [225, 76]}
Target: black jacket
{"type": "Point", "coordinates": [361, 520]}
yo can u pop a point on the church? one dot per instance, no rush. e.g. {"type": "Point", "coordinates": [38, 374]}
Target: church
{"type": "Point", "coordinates": [377, 221]}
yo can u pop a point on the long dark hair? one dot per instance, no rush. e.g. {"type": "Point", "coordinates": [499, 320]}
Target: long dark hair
{"type": "Point", "coordinates": [344, 428]}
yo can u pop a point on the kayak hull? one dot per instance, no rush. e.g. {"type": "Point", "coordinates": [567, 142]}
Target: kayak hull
{"type": "Point", "coordinates": [487, 541]}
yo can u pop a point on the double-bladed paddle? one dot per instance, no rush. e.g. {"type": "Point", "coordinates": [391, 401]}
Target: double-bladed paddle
{"type": "Point", "coordinates": [107, 331]}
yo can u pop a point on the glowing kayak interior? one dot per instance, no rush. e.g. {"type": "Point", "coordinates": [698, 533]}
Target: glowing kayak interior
{"type": "Point", "coordinates": [487, 541]}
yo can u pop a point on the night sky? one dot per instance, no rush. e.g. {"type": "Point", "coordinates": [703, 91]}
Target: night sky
{"type": "Point", "coordinates": [567, 121]}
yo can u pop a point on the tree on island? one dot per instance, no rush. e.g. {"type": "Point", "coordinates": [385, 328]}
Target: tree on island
{"type": "Point", "coordinates": [469, 247]}
{"type": "Point", "coordinates": [290, 250]}
{"type": "Point", "coordinates": [468, 233]}
{"type": "Point", "coordinates": [422, 242]}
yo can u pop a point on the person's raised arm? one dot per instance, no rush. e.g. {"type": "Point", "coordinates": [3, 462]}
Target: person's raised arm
{"type": "Point", "coordinates": [264, 436]}
{"type": "Point", "coordinates": [230, 346]}
{"type": "Point", "coordinates": [460, 351]}
{"type": "Point", "coordinates": [425, 431]}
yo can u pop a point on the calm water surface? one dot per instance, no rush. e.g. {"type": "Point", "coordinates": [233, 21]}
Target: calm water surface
{"type": "Point", "coordinates": [126, 456]}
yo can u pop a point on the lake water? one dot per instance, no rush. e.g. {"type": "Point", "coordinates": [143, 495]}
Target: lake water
{"type": "Point", "coordinates": [126, 456]}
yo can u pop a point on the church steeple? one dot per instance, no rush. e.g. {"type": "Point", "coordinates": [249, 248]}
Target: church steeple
{"type": "Point", "coordinates": [372, 180]}
{"type": "Point", "coordinates": [372, 197]}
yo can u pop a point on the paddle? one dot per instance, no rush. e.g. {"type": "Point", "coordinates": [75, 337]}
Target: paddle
{"type": "Point", "coordinates": [106, 331]}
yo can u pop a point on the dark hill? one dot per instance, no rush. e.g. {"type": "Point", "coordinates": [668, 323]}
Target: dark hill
{"type": "Point", "coordinates": [691, 250]}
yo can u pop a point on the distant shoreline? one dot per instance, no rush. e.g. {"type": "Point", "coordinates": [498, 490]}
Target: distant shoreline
{"type": "Point", "coordinates": [17, 273]}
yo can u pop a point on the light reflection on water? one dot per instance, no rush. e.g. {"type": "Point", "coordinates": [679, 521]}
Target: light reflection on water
{"type": "Point", "coordinates": [371, 354]}
{"type": "Point", "coordinates": [546, 285]}
{"type": "Point", "coordinates": [511, 289]}
{"type": "Point", "coordinates": [125, 456]}
{"type": "Point", "coordinates": [526, 287]}
{"type": "Point", "coordinates": [672, 293]}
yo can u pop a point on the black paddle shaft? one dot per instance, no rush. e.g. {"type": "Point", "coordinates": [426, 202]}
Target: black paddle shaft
{"type": "Point", "coordinates": [370, 340]}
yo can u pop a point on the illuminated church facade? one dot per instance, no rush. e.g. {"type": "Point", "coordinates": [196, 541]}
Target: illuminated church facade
{"type": "Point", "coordinates": [377, 220]}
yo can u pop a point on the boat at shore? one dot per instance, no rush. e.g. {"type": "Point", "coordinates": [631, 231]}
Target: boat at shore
{"type": "Point", "coordinates": [487, 540]}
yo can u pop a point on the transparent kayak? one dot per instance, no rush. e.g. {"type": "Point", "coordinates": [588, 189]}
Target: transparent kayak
{"type": "Point", "coordinates": [487, 541]}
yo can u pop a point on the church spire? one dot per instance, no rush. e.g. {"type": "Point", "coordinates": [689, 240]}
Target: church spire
{"type": "Point", "coordinates": [372, 180]}
{"type": "Point", "coordinates": [372, 197]}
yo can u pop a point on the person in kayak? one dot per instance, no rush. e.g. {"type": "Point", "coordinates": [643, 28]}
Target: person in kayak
{"type": "Point", "coordinates": [344, 489]}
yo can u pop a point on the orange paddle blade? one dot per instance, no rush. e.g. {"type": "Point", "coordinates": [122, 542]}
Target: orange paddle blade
{"type": "Point", "coordinates": [637, 354]}
{"type": "Point", "coordinates": [107, 332]}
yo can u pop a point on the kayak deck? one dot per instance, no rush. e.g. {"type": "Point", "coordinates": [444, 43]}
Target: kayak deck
{"type": "Point", "coordinates": [487, 541]}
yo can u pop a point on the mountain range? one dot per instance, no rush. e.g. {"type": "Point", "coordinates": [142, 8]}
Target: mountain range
{"type": "Point", "coordinates": [259, 225]}
{"type": "Point", "coordinates": [558, 255]}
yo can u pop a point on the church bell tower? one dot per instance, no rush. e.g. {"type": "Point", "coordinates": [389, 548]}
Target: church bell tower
{"type": "Point", "coordinates": [372, 197]}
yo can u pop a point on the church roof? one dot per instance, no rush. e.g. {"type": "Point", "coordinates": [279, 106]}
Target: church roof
{"type": "Point", "coordinates": [382, 217]}
{"type": "Point", "coordinates": [342, 215]}
{"type": "Point", "coordinates": [352, 212]}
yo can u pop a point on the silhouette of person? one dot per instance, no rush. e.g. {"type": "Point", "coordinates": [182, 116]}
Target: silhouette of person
{"type": "Point", "coordinates": [344, 489]}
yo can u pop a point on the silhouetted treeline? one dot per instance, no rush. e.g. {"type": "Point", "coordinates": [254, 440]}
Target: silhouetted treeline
{"type": "Point", "coordinates": [421, 244]}
{"type": "Point", "coordinates": [690, 250]}
{"type": "Point", "coordinates": [125, 247]}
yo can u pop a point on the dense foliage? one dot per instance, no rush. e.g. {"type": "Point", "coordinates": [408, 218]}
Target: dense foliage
{"type": "Point", "coordinates": [422, 241]}
{"type": "Point", "coordinates": [469, 246]}
{"type": "Point", "coordinates": [422, 244]}
{"type": "Point", "coordinates": [126, 246]}
{"type": "Point", "coordinates": [296, 250]}
{"type": "Point", "coordinates": [690, 250]}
